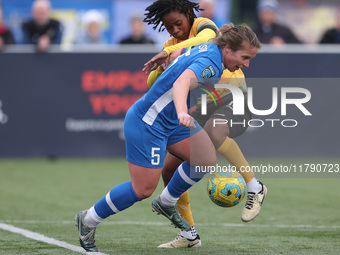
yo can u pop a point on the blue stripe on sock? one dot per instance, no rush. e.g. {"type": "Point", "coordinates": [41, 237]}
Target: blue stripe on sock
{"type": "Point", "coordinates": [177, 186]}
{"type": "Point", "coordinates": [122, 196]}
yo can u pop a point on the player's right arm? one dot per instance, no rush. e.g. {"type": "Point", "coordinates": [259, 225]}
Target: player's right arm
{"type": "Point", "coordinates": [203, 36]}
{"type": "Point", "coordinates": [180, 92]}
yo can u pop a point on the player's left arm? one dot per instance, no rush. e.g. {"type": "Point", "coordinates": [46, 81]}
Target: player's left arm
{"type": "Point", "coordinates": [156, 73]}
{"type": "Point", "coordinates": [153, 76]}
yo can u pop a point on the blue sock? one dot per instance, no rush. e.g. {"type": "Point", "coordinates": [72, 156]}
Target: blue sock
{"type": "Point", "coordinates": [118, 199]}
{"type": "Point", "coordinates": [182, 180]}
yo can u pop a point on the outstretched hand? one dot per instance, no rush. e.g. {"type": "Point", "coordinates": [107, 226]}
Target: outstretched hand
{"type": "Point", "coordinates": [156, 61]}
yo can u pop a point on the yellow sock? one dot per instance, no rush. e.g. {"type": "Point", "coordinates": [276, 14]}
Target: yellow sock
{"type": "Point", "coordinates": [183, 207]}
{"type": "Point", "coordinates": [230, 150]}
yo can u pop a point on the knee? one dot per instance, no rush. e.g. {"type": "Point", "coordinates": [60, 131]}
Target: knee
{"type": "Point", "coordinates": [144, 192]}
{"type": "Point", "coordinates": [209, 158]}
{"type": "Point", "coordinates": [217, 133]}
{"type": "Point", "coordinates": [212, 161]}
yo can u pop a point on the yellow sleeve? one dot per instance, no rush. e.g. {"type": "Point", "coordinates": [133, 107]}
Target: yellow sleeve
{"type": "Point", "coordinates": [204, 36]}
{"type": "Point", "coordinates": [238, 79]}
{"type": "Point", "coordinates": [153, 76]}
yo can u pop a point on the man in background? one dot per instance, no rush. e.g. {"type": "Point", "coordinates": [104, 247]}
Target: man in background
{"type": "Point", "coordinates": [41, 30]}
{"type": "Point", "coordinates": [332, 35]}
{"type": "Point", "coordinates": [138, 32]}
{"type": "Point", "coordinates": [268, 30]}
{"type": "Point", "coordinates": [6, 36]}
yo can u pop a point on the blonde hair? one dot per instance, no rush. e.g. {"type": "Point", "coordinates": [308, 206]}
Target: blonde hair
{"type": "Point", "coordinates": [234, 36]}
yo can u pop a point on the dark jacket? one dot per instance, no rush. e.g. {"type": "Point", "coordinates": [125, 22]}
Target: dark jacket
{"type": "Point", "coordinates": [275, 30]}
{"type": "Point", "coordinates": [141, 40]}
{"type": "Point", "coordinates": [32, 31]}
{"type": "Point", "coordinates": [331, 36]}
{"type": "Point", "coordinates": [6, 35]}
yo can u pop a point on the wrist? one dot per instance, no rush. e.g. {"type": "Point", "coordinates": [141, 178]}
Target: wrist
{"type": "Point", "coordinates": [166, 51]}
{"type": "Point", "coordinates": [182, 113]}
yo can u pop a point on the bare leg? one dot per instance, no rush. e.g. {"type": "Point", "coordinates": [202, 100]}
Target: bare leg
{"type": "Point", "coordinates": [144, 180]}
{"type": "Point", "coordinates": [171, 163]}
{"type": "Point", "coordinates": [201, 153]}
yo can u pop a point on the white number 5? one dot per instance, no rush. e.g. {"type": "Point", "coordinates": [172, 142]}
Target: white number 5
{"type": "Point", "coordinates": [155, 157]}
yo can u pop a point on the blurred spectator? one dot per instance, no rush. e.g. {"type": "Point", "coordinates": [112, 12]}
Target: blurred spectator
{"type": "Point", "coordinates": [268, 30]}
{"type": "Point", "coordinates": [6, 36]}
{"type": "Point", "coordinates": [41, 30]}
{"type": "Point", "coordinates": [210, 12]}
{"type": "Point", "coordinates": [93, 21]}
{"type": "Point", "coordinates": [332, 35]}
{"type": "Point", "coordinates": [138, 32]}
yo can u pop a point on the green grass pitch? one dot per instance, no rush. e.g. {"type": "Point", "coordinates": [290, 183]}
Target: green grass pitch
{"type": "Point", "coordinates": [299, 216]}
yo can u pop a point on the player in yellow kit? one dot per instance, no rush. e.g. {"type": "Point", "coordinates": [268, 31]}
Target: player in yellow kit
{"type": "Point", "coordinates": [178, 18]}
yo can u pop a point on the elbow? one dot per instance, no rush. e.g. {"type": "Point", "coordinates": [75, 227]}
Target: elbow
{"type": "Point", "coordinates": [149, 82]}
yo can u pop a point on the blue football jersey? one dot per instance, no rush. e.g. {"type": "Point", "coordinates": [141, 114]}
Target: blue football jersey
{"type": "Point", "coordinates": [156, 107]}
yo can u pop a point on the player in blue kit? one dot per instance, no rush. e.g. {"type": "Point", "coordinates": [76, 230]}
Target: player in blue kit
{"type": "Point", "coordinates": [153, 125]}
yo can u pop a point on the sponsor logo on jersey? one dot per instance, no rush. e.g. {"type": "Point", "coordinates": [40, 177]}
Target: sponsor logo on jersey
{"type": "Point", "coordinates": [202, 48]}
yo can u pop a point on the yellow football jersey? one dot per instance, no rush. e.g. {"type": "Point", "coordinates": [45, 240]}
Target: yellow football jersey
{"type": "Point", "coordinates": [201, 31]}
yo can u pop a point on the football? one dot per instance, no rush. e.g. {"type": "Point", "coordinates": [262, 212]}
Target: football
{"type": "Point", "coordinates": [226, 189]}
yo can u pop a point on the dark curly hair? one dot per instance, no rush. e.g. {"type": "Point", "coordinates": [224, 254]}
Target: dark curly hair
{"type": "Point", "coordinates": [159, 8]}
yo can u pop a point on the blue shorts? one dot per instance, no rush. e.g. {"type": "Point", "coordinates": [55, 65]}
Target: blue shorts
{"type": "Point", "coordinates": [182, 133]}
{"type": "Point", "coordinates": [145, 145]}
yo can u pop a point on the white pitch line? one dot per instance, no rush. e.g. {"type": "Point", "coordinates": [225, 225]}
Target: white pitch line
{"type": "Point", "coordinates": [45, 239]}
{"type": "Point", "coordinates": [165, 223]}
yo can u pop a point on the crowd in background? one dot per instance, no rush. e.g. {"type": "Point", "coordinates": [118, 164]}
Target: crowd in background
{"type": "Point", "coordinates": [274, 22]}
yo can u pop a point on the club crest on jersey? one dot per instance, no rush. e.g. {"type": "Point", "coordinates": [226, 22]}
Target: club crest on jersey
{"type": "Point", "coordinates": [208, 72]}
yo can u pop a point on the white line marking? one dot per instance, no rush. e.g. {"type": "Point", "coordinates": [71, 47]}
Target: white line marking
{"type": "Point", "coordinates": [155, 223]}
{"type": "Point", "coordinates": [45, 239]}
